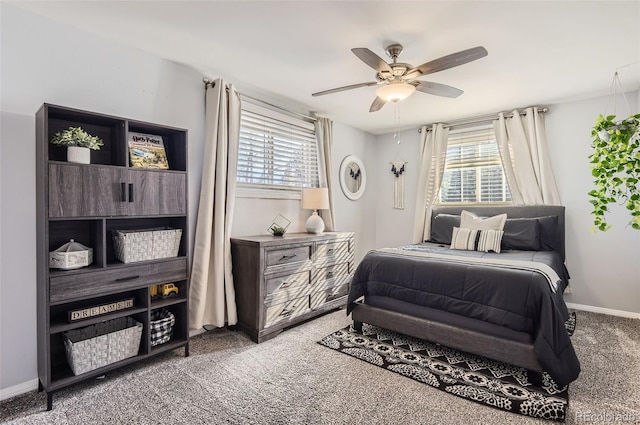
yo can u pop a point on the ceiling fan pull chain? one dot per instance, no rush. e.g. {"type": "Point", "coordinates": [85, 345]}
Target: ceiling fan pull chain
{"type": "Point", "coordinates": [397, 120]}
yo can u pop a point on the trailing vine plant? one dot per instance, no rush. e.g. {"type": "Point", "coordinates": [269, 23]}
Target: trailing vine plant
{"type": "Point", "coordinates": [615, 168]}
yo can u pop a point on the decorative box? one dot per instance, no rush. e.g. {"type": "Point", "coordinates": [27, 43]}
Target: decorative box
{"type": "Point", "coordinates": [71, 255]}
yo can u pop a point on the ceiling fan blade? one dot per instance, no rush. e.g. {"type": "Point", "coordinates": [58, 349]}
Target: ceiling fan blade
{"type": "Point", "coordinates": [338, 89]}
{"type": "Point", "coordinates": [437, 89]}
{"type": "Point", "coordinates": [377, 104]}
{"type": "Point", "coordinates": [446, 62]}
{"type": "Point", "coordinates": [371, 59]}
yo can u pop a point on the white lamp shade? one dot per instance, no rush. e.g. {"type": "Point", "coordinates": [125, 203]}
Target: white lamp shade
{"type": "Point", "coordinates": [394, 92]}
{"type": "Point", "coordinates": [316, 198]}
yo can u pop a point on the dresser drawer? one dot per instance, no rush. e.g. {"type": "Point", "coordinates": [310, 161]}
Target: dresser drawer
{"type": "Point", "coordinates": [333, 251]}
{"type": "Point", "coordinates": [284, 288]}
{"type": "Point", "coordinates": [285, 311]}
{"type": "Point", "coordinates": [332, 275]}
{"type": "Point", "coordinates": [285, 256]}
{"type": "Point", "coordinates": [317, 299]}
{"type": "Point", "coordinates": [64, 288]}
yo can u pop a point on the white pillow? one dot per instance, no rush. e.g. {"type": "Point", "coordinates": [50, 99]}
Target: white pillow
{"type": "Point", "coordinates": [469, 220]}
{"type": "Point", "coordinates": [476, 240]}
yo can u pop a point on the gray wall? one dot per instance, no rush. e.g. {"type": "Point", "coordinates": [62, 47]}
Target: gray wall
{"type": "Point", "coordinates": [604, 266]}
{"type": "Point", "coordinates": [46, 62]}
{"type": "Point", "coordinates": [43, 61]}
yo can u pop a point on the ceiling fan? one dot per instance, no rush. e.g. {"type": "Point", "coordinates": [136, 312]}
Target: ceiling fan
{"type": "Point", "coordinates": [397, 79]}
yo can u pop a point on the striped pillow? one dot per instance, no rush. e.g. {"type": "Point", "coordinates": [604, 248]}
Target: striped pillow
{"type": "Point", "coordinates": [476, 240]}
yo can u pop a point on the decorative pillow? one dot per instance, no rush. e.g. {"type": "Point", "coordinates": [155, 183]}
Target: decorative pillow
{"type": "Point", "coordinates": [442, 228]}
{"type": "Point", "coordinates": [476, 240]}
{"type": "Point", "coordinates": [469, 220]}
{"type": "Point", "coordinates": [522, 234]}
{"type": "Point", "coordinates": [464, 239]}
{"type": "Point", "coordinates": [550, 240]}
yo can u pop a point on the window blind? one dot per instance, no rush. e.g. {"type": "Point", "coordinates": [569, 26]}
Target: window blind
{"type": "Point", "coordinates": [276, 150]}
{"type": "Point", "coordinates": [473, 170]}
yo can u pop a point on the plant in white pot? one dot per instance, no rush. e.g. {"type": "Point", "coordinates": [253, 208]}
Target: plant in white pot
{"type": "Point", "coordinates": [78, 143]}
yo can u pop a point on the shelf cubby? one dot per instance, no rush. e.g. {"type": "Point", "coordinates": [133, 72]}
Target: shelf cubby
{"type": "Point", "coordinates": [174, 140]}
{"type": "Point", "coordinates": [89, 232]}
{"type": "Point", "coordinates": [110, 130]}
{"type": "Point", "coordinates": [144, 223]}
{"type": "Point", "coordinates": [59, 316]}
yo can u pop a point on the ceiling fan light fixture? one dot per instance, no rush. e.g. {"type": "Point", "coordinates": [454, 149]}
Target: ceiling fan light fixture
{"type": "Point", "coordinates": [395, 91]}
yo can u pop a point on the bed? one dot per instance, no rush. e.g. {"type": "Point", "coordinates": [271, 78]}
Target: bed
{"type": "Point", "coordinates": [506, 306]}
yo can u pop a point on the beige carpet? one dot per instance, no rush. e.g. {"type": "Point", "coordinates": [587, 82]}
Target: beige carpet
{"type": "Point", "coordinates": [292, 379]}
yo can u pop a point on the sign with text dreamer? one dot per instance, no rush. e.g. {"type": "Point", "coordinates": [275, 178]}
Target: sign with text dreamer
{"type": "Point", "coordinates": [99, 310]}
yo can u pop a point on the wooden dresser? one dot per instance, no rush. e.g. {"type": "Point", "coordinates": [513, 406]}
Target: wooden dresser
{"type": "Point", "coordinates": [282, 281]}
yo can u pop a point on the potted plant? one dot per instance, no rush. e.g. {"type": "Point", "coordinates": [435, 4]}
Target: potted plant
{"type": "Point", "coordinates": [616, 168]}
{"type": "Point", "coordinates": [279, 225]}
{"type": "Point", "coordinates": [277, 230]}
{"type": "Point", "coordinates": [78, 143]}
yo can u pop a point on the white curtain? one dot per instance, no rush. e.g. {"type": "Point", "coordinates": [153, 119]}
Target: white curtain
{"type": "Point", "coordinates": [212, 295]}
{"type": "Point", "coordinates": [432, 161]}
{"type": "Point", "coordinates": [522, 142]}
{"type": "Point", "coordinates": [324, 134]}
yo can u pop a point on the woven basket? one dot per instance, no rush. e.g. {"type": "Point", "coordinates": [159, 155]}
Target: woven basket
{"type": "Point", "coordinates": [147, 244]}
{"type": "Point", "coordinates": [161, 326]}
{"type": "Point", "coordinates": [101, 344]}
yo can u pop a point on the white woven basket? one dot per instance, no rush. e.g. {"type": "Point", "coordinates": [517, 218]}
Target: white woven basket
{"type": "Point", "coordinates": [147, 244]}
{"type": "Point", "coordinates": [101, 344]}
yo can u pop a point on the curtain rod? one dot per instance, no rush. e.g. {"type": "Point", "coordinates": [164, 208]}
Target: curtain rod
{"type": "Point", "coordinates": [208, 82]}
{"type": "Point", "coordinates": [481, 119]}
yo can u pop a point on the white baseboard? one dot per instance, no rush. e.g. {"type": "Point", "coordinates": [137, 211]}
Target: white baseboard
{"type": "Point", "coordinates": [25, 387]}
{"type": "Point", "coordinates": [609, 311]}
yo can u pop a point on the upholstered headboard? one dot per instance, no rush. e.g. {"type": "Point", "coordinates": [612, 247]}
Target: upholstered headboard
{"type": "Point", "coordinates": [552, 231]}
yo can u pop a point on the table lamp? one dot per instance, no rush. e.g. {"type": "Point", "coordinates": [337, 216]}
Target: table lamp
{"type": "Point", "coordinates": [315, 199]}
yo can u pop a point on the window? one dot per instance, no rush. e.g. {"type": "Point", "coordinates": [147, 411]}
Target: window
{"type": "Point", "coordinates": [276, 151]}
{"type": "Point", "coordinates": [473, 172]}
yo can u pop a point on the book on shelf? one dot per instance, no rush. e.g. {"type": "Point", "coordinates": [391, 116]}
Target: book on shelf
{"type": "Point", "coordinates": [147, 151]}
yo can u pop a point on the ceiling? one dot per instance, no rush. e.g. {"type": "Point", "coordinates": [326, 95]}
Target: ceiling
{"type": "Point", "coordinates": [540, 52]}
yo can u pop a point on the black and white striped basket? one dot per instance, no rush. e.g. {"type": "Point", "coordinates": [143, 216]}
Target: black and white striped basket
{"type": "Point", "coordinates": [161, 326]}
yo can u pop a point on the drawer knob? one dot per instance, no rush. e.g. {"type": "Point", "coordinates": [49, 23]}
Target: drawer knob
{"type": "Point", "coordinates": [330, 251]}
{"type": "Point", "coordinates": [286, 257]}
{"type": "Point", "coordinates": [287, 312]}
{"type": "Point", "coordinates": [329, 274]}
{"type": "Point", "coordinates": [285, 284]}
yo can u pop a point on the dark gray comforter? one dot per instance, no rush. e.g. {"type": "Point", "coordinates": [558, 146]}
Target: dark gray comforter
{"type": "Point", "coordinates": [521, 300]}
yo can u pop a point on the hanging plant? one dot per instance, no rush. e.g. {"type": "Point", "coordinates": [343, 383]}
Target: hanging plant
{"type": "Point", "coordinates": [615, 168]}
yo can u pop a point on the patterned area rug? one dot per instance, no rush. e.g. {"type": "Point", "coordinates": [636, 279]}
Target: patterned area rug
{"type": "Point", "coordinates": [475, 378]}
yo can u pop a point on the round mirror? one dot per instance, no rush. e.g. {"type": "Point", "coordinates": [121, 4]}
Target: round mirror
{"type": "Point", "coordinates": [353, 178]}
